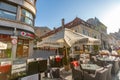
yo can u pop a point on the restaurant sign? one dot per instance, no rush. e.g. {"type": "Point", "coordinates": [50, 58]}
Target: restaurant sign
{"type": "Point", "coordinates": [26, 34]}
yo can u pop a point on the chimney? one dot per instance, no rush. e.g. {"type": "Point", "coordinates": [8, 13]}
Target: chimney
{"type": "Point", "coordinates": [54, 28]}
{"type": "Point", "coordinates": [63, 25]}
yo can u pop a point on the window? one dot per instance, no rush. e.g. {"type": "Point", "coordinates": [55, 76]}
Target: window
{"type": "Point", "coordinates": [27, 17]}
{"type": "Point", "coordinates": [5, 46]}
{"type": "Point", "coordinates": [7, 15]}
{"type": "Point", "coordinates": [32, 1]}
{"type": "Point", "coordinates": [83, 31]}
{"type": "Point", "coordinates": [7, 11]}
{"type": "Point", "coordinates": [22, 48]}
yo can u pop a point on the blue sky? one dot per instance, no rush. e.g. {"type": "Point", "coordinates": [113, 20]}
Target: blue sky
{"type": "Point", "coordinates": [50, 12]}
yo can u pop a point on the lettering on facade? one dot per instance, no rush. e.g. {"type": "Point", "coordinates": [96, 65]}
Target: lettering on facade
{"type": "Point", "coordinates": [25, 34]}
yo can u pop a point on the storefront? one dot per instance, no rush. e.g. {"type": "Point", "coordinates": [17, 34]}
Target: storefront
{"type": "Point", "coordinates": [5, 46]}
{"type": "Point", "coordinates": [20, 46]}
{"type": "Point", "coordinates": [24, 44]}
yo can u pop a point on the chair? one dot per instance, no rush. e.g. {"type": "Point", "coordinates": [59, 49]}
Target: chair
{"type": "Point", "coordinates": [42, 65]}
{"type": "Point", "coordinates": [109, 76]}
{"type": "Point", "coordinates": [99, 75]}
{"type": "Point", "coordinates": [32, 68]}
{"type": "Point", "coordinates": [55, 72]}
{"type": "Point", "coordinates": [77, 74]}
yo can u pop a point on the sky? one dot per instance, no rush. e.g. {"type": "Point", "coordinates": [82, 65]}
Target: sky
{"type": "Point", "coordinates": [50, 12]}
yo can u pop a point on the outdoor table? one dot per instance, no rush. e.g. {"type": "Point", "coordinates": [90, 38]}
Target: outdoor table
{"type": "Point", "coordinates": [91, 68]}
{"type": "Point", "coordinates": [110, 58]}
{"type": "Point", "coordinates": [107, 60]}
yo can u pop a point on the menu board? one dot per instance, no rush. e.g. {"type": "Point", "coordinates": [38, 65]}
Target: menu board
{"type": "Point", "coordinates": [18, 66]}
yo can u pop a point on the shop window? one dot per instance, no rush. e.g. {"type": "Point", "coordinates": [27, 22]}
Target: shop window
{"type": "Point", "coordinates": [27, 17]}
{"type": "Point", "coordinates": [22, 48]}
{"type": "Point", "coordinates": [5, 47]}
{"type": "Point", "coordinates": [8, 11]}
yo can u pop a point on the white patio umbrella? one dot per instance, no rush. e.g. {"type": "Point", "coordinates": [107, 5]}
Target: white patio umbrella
{"type": "Point", "coordinates": [65, 37]}
{"type": "Point", "coordinates": [89, 41]}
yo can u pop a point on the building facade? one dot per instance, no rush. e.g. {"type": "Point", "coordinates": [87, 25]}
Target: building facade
{"type": "Point", "coordinates": [40, 31]}
{"type": "Point", "coordinates": [102, 29]}
{"type": "Point", "coordinates": [85, 28]}
{"type": "Point", "coordinates": [77, 25]}
{"type": "Point", "coordinates": [80, 26]}
{"type": "Point", "coordinates": [115, 43]}
{"type": "Point", "coordinates": [16, 28]}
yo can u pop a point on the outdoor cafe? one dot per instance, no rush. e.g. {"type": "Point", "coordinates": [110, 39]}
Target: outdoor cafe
{"type": "Point", "coordinates": [84, 66]}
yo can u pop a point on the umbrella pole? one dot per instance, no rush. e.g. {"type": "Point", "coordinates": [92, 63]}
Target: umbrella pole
{"type": "Point", "coordinates": [67, 66]}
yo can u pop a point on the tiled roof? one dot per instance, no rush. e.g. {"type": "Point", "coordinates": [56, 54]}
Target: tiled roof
{"type": "Point", "coordinates": [71, 24]}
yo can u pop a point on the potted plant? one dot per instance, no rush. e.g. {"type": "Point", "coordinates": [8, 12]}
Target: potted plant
{"type": "Point", "coordinates": [96, 49]}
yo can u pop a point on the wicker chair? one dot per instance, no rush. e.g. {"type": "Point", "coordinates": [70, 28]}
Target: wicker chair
{"type": "Point", "coordinates": [109, 76]}
{"type": "Point", "coordinates": [99, 75]}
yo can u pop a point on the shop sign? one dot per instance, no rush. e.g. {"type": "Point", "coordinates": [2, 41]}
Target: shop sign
{"type": "Point", "coordinates": [23, 33]}
{"type": "Point", "coordinates": [3, 45]}
{"type": "Point", "coordinates": [27, 34]}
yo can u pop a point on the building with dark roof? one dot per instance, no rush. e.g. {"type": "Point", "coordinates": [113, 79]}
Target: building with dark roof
{"type": "Point", "coordinates": [78, 25]}
{"type": "Point", "coordinates": [100, 27]}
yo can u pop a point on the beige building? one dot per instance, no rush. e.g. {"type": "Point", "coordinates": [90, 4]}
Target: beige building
{"type": "Point", "coordinates": [102, 29]}
{"type": "Point", "coordinates": [84, 28]}
{"type": "Point", "coordinates": [78, 25]}
{"type": "Point", "coordinates": [114, 39]}
{"type": "Point", "coordinates": [16, 28]}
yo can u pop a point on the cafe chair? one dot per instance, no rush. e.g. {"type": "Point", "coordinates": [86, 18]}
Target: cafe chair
{"type": "Point", "coordinates": [77, 73]}
{"type": "Point", "coordinates": [99, 75]}
{"type": "Point", "coordinates": [115, 67]}
{"type": "Point", "coordinates": [42, 65]}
